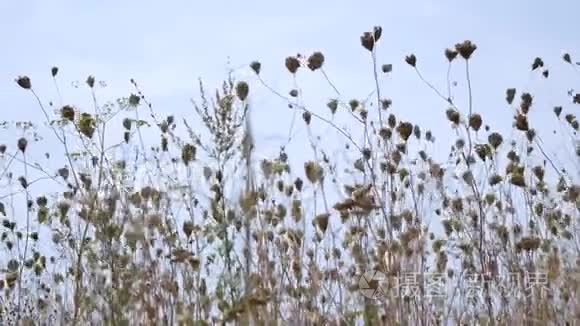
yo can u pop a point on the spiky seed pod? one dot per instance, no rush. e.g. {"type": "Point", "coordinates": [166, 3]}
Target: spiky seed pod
{"type": "Point", "coordinates": [367, 40]}
{"type": "Point", "coordinates": [24, 82]}
{"type": "Point", "coordinates": [510, 94]}
{"type": "Point", "coordinates": [22, 143]}
{"type": "Point", "coordinates": [256, 66]}
{"type": "Point", "coordinates": [315, 61]}
{"type": "Point", "coordinates": [405, 129]}
{"type": "Point", "coordinates": [475, 121]}
{"type": "Point", "coordinates": [450, 54]}
{"type": "Point", "coordinates": [242, 90]}
{"type": "Point", "coordinates": [566, 57]}
{"type": "Point", "coordinates": [466, 49]}
{"type": "Point", "coordinates": [495, 139]}
{"type": "Point", "coordinates": [188, 153]}
{"type": "Point", "coordinates": [67, 113]}
{"type": "Point", "coordinates": [292, 64]}
{"type": "Point", "coordinates": [411, 60]}
{"type": "Point", "coordinates": [91, 81]}
{"type": "Point", "coordinates": [453, 115]}
{"type": "Point", "coordinates": [307, 116]}
{"type": "Point", "coordinates": [332, 105]}
{"type": "Point", "coordinates": [54, 71]}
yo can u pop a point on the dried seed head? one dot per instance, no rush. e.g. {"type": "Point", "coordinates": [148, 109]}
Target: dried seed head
{"type": "Point", "coordinates": [86, 125]}
{"type": "Point", "coordinates": [411, 60]}
{"type": "Point", "coordinates": [127, 123]}
{"type": "Point", "coordinates": [24, 82]}
{"type": "Point", "coordinates": [322, 222]}
{"type": "Point", "coordinates": [526, 102]}
{"type": "Point", "coordinates": [292, 64]}
{"type": "Point", "coordinates": [54, 71]}
{"type": "Point", "coordinates": [188, 153]}
{"type": "Point", "coordinates": [314, 171]}
{"type": "Point", "coordinates": [255, 65]}
{"type": "Point", "coordinates": [367, 40]}
{"type": "Point", "coordinates": [242, 90]}
{"type": "Point", "coordinates": [134, 100]}
{"type": "Point", "coordinates": [307, 116]}
{"type": "Point", "coordinates": [510, 94]}
{"type": "Point", "coordinates": [293, 93]}
{"type": "Point", "coordinates": [576, 98]}
{"type": "Point", "coordinates": [332, 105]}
{"type": "Point", "coordinates": [546, 73]}
{"type": "Point", "coordinates": [298, 183]}
{"type": "Point", "coordinates": [377, 32]}
{"type": "Point", "coordinates": [465, 49]}
{"type": "Point", "coordinates": [566, 57]}
{"type": "Point", "coordinates": [517, 179]}
{"type": "Point", "coordinates": [453, 115]}
{"type": "Point", "coordinates": [22, 143]}
{"type": "Point", "coordinates": [557, 111]}
{"type": "Point", "coordinates": [315, 61]}
{"type": "Point", "coordinates": [386, 103]}
{"type": "Point", "coordinates": [538, 63]}
{"type": "Point", "coordinates": [495, 139]}
{"type": "Point", "coordinates": [475, 121]}
{"type": "Point", "coordinates": [68, 113]}
{"type": "Point", "coordinates": [531, 134]}
{"type": "Point", "coordinates": [385, 133]}
{"type": "Point", "coordinates": [450, 54]}
{"type": "Point", "coordinates": [392, 120]}
{"type": "Point", "coordinates": [521, 122]}
{"type": "Point", "coordinates": [2, 149]}
{"type": "Point", "coordinates": [405, 129]}
{"type": "Point", "coordinates": [91, 81]}
{"type": "Point", "coordinates": [188, 228]}
{"type": "Point", "coordinates": [538, 172]}
{"type": "Point", "coordinates": [354, 104]}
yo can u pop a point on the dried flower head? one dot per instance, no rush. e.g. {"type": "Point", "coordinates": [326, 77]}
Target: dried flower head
{"type": "Point", "coordinates": [54, 71]}
{"type": "Point", "coordinates": [411, 60]}
{"type": "Point", "coordinates": [405, 129]}
{"type": "Point", "coordinates": [86, 125]}
{"type": "Point", "coordinates": [566, 57]}
{"type": "Point", "coordinates": [377, 32]}
{"type": "Point", "coordinates": [510, 94]}
{"type": "Point", "coordinates": [367, 40]}
{"type": "Point", "coordinates": [256, 66]}
{"type": "Point", "coordinates": [292, 64]}
{"type": "Point", "coordinates": [465, 49]}
{"type": "Point", "coordinates": [314, 171]}
{"type": "Point", "coordinates": [242, 90]}
{"type": "Point", "coordinates": [450, 54]}
{"type": "Point", "coordinates": [307, 116]}
{"type": "Point", "coordinates": [91, 81]}
{"type": "Point", "coordinates": [521, 122]}
{"type": "Point", "coordinates": [453, 115]}
{"type": "Point", "coordinates": [22, 143]}
{"type": "Point", "coordinates": [315, 61]}
{"type": "Point", "coordinates": [495, 139]}
{"type": "Point", "coordinates": [134, 100]}
{"type": "Point", "coordinates": [538, 63]}
{"type": "Point", "coordinates": [332, 105]}
{"type": "Point", "coordinates": [557, 111]}
{"type": "Point", "coordinates": [188, 153]}
{"type": "Point", "coordinates": [68, 113]}
{"type": "Point", "coordinates": [24, 82]}
{"type": "Point", "coordinates": [475, 121]}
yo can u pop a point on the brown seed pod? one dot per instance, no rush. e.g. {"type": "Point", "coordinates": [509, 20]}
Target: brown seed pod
{"type": "Point", "coordinates": [453, 115]}
{"type": "Point", "coordinates": [24, 82]}
{"type": "Point", "coordinates": [292, 64]}
{"type": "Point", "coordinates": [367, 40]}
{"type": "Point", "coordinates": [411, 60]}
{"type": "Point", "coordinates": [256, 66]}
{"type": "Point", "coordinates": [450, 54]}
{"type": "Point", "coordinates": [242, 90]}
{"type": "Point", "coordinates": [315, 61]}
{"type": "Point", "coordinates": [475, 121]}
{"type": "Point", "coordinates": [68, 113]}
{"type": "Point", "coordinates": [465, 49]}
{"type": "Point", "coordinates": [521, 122]}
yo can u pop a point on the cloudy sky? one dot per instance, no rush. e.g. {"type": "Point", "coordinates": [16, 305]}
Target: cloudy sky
{"type": "Point", "coordinates": [166, 46]}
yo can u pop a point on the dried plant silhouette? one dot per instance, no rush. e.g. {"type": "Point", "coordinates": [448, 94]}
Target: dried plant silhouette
{"type": "Point", "coordinates": [211, 234]}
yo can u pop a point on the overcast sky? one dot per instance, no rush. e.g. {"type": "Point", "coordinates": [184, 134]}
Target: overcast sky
{"type": "Point", "coordinates": [167, 45]}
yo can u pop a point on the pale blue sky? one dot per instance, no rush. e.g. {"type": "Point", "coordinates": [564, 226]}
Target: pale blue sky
{"type": "Point", "coordinates": [167, 45]}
